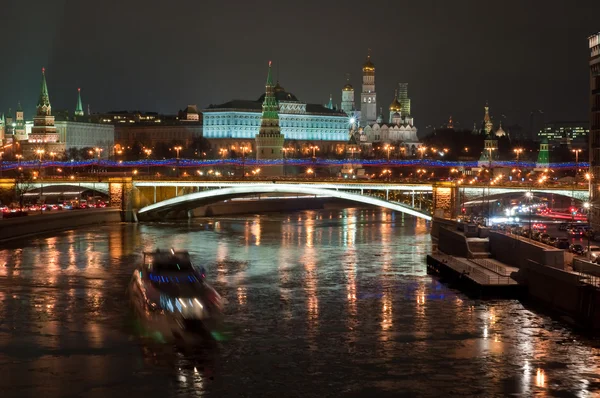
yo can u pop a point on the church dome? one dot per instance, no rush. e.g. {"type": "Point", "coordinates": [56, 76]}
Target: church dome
{"type": "Point", "coordinates": [395, 106]}
{"type": "Point", "coordinates": [500, 132]}
{"type": "Point", "coordinates": [348, 87]}
{"type": "Point", "coordinates": [368, 66]}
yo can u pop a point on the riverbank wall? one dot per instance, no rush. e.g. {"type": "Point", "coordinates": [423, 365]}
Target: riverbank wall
{"type": "Point", "coordinates": [31, 225]}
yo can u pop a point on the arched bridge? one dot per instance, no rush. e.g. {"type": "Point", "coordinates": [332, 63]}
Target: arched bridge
{"type": "Point", "coordinates": [196, 199]}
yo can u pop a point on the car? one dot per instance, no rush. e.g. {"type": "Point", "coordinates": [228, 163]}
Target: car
{"type": "Point", "coordinates": [563, 226]}
{"type": "Point", "coordinates": [552, 241]}
{"type": "Point", "coordinates": [544, 238]}
{"type": "Point", "coordinates": [577, 249]}
{"type": "Point", "coordinates": [593, 252]}
{"type": "Point", "coordinates": [562, 243]}
{"type": "Point", "coordinates": [575, 232]}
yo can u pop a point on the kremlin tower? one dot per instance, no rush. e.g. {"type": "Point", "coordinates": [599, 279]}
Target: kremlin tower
{"type": "Point", "coordinates": [348, 98]}
{"type": "Point", "coordinates": [269, 140]}
{"type": "Point", "coordinates": [368, 99]}
{"type": "Point", "coordinates": [79, 107]}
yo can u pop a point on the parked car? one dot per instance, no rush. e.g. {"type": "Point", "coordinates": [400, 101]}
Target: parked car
{"type": "Point", "coordinates": [594, 252]}
{"type": "Point", "coordinates": [563, 243]}
{"type": "Point", "coordinates": [575, 232]}
{"type": "Point", "coordinates": [552, 241]}
{"type": "Point", "coordinates": [577, 249]}
{"type": "Point", "coordinates": [544, 238]}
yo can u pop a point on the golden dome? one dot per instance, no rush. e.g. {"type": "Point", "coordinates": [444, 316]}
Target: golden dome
{"type": "Point", "coordinates": [368, 66]}
{"type": "Point", "coordinates": [395, 106]}
{"type": "Point", "coordinates": [348, 87]}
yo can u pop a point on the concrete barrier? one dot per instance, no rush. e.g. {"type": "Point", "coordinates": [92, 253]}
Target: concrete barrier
{"type": "Point", "coordinates": [438, 223]}
{"type": "Point", "coordinates": [586, 267]}
{"type": "Point", "coordinates": [516, 251]}
{"type": "Point", "coordinates": [21, 227]}
{"type": "Point", "coordinates": [453, 243]}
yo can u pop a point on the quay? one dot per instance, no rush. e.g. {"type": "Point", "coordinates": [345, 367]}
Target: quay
{"type": "Point", "coordinates": [491, 264]}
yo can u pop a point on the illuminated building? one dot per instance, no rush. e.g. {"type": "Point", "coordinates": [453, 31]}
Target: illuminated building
{"type": "Point", "coordinates": [19, 131]}
{"type": "Point", "coordinates": [487, 120]}
{"type": "Point", "coordinates": [269, 140]}
{"type": "Point", "coordinates": [368, 98]}
{"type": "Point", "coordinates": [490, 150]}
{"type": "Point", "coordinates": [400, 130]}
{"type": "Point", "coordinates": [236, 123]}
{"type": "Point", "coordinates": [2, 129]}
{"type": "Point", "coordinates": [565, 132]}
{"type": "Point", "coordinates": [348, 98]}
{"type": "Point", "coordinates": [543, 160]}
{"type": "Point", "coordinates": [594, 141]}
{"type": "Point", "coordinates": [43, 133]}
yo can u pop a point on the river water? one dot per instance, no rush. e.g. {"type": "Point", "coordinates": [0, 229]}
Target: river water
{"type": "Point", "coordinates": [319, 303]}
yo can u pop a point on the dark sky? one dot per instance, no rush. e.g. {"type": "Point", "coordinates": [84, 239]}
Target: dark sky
{"type": "Point", "coordinates": [520, 55]}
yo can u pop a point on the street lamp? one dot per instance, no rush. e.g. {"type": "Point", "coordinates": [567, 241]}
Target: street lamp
{"type": "Point", "coordinates": [422, 149]}
{"type": "Point", "coordinates": [40, 152]}
{"type": "Point", "coordinates": [177, 149]}
{"type": "Point", "coordinates": [244, 150]}
{"type": "Point", "coordinates": [314, 149]}
{"type": "Point", "coordinates": [1, 163]}
{"type": "Point", "coordinates": [529, 196]}
{"type": "Point", "coordinates": [577, 152]}
{"type": "Point", "coordinates": [285, 151]}
{"type": "Point", "coordinates": [388, 148]}
{"type": "Point", "coordinates": [148, 152]}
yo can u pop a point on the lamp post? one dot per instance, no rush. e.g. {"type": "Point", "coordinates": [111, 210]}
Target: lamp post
{"type": "Point", "coordinates": [1, 162]}
{"type": "Point", "coordinates": [422, 149]}
{"type": "Point", "coordinates": [518, 151]}
{"type": "Point", "coordinates": [177, 149]}
{"type": "Point", "coordinates": [40, 153]}
{"type": "Point", "coordinates": [577, 152]}
{"type": "Point", "coordinates": [244, 149]}
{"type": "Point", "coordinates": [529, 195]}
{"type": "Point", "coordinates": [285, 151]}
{"type": "Point", "coordinates": [388, 148]}
{"type": "Point", "coordinates": [148, 152]}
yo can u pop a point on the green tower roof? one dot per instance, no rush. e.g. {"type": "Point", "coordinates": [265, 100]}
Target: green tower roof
{"type": "Point", "coordinates": [79, 108]}
{"type": "Point", "coordinates": [44, 97]}
{"type": "Point", "coordinates": [19, 107]}
{"type": "Point", "coordinates": [270, 106]}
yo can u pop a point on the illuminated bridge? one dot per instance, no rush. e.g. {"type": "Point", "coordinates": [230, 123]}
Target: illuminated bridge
{"type": "Point", "coordinates": [160, 198]}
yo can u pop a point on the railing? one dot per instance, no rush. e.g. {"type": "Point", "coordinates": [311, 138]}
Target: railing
{"type": "Point", "coordinates": [475, 274]}
{"type": "Point", "coordinates": [501, 271]}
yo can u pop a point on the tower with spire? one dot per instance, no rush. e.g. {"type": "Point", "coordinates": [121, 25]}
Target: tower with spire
{"type": "Point", "coordinates": [543, 160]}
{"type": "Point", "coordinates": [269, 140]}
{"type": "Point", "coordinates": [330, 103]}
{"type": "Point", "coordinates": [19, 133]}
{"type": "Point", "coordinates": [79, 107]}
{"type": "Point", "coordinates": [348, 97]}
{"type": "Point", "coordinates": [487, 120]}
{"type": "Point", "coordinates": [368, 98]}
{"type": "Point", "coordinates": [404, 100]}
{"type": "Point", "coordinates": [43, 130]}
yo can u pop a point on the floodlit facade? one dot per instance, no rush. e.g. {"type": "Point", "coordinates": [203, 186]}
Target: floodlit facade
{"type": "Point", "coordinates": [564, 132]}
{"type": "Point", "coordinates": [594, 141]}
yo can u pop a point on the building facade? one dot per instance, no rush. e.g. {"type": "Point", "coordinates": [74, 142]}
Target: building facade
{"type": "Point", "coordinates": [79, 135]}
{"type": "Point", "coordinates": [565, 133]}
{"type": "Point", "coordinates": [236, 123]}
{"type": "Point", "coordinates": [594, 140]}
{"type": "Point", "coordinates": [348, 105]}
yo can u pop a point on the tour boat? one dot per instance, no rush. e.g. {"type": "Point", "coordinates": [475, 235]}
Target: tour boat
{"type": "Point", "coordinates": [172, 297]}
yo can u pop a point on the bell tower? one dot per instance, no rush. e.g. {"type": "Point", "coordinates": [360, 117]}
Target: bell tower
{"type": "Point", "coordinates": [368, 98]}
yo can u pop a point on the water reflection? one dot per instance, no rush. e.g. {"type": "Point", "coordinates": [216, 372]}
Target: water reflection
{"type": "Point", "coordinates": [349, 285]}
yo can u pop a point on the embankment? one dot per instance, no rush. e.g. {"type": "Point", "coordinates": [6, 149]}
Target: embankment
{"type": "Point", "coordinates": [16, 228]}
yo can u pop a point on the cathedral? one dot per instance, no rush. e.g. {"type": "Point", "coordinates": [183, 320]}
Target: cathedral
{"type": "Point", "coordinates": [399, 128]}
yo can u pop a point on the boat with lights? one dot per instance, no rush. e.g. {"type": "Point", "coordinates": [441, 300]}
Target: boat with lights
{"type": "Point", "coordinates": [172, 297]}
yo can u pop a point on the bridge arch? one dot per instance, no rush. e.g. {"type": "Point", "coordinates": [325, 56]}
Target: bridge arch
{"type": "Point", "coordinates": [197, 199]}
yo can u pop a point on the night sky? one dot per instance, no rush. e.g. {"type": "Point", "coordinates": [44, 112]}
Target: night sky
{"type": "Point", "coordinates": [519, 55]}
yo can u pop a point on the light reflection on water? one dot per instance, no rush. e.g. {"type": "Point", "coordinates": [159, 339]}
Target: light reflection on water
{"type": "Point", "coordinates": [327, 301]}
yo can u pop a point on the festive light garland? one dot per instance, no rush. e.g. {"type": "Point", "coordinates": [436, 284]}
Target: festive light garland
{"type": "Point", "coordinates": [189, 163]}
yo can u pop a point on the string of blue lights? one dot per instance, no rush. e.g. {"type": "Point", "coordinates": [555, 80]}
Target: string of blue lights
{"type": "Point", "coordinates": [190, 163]}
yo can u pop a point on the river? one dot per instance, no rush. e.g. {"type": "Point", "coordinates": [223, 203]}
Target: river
{"type": "Point", "coordinates": [319, 303]}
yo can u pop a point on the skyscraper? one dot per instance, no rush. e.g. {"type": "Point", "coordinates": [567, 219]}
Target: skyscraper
{"type": "Point", "coordinates": [594, 141]}
{"type": "Point", "coordinates": [269, 140]}
{"type": "Point", "coordinates": [368, 99]}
